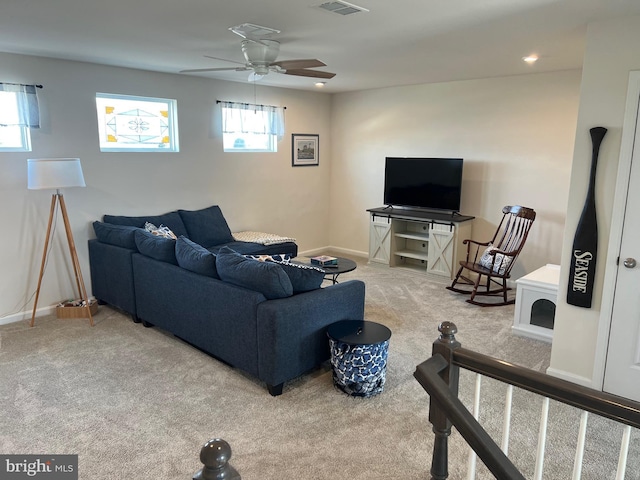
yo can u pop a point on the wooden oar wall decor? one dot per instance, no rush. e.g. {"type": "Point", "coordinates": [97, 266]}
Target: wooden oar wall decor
{"type": "Point", "coordinates": [585, 242]}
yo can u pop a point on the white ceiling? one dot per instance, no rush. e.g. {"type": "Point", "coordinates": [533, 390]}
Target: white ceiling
{"type": "Point", "coordinates": [398, 42]}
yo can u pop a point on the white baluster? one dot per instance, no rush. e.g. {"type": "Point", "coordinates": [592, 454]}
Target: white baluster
{"type": "Point", "coordinates": [624, 451]}
{"type": "Point", "coordinates": [582, 435]}
{"type": "Point", "coordinates": [506, 425]}
{"type": "Point", "coordinates": [542, 439]}
{"type": "Point", "coordinates": [471, 469]}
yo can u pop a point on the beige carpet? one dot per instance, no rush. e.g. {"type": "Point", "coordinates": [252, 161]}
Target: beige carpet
{"type": "Point", "coordinates": [134, 402]}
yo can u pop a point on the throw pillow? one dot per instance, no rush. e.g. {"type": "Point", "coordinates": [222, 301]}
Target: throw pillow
{"type": "Point", "coordinates": [267, 278]}
{"type": "Point", "coordinates": [160, 231]}
{"type": "Point", "coordinates": [159, 248]}
{"type": "Point", "coordinates": [501, 262]}
{"type": "Point", "coordinates": [206, 227]}
{"type": "Point", "coordinates": [195, 258]}
{"type": "Point", "coordinates": [118, 235]}
{"type": "Point", "coordinates": [279, 257]}
{"type": "Point", "coordinates": [304, 278]}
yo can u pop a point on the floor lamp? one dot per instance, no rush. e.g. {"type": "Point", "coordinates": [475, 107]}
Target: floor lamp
{"type": "Point", "coordinates": [50, 173]}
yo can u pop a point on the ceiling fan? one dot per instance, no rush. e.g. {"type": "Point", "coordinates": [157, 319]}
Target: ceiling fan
{"type": "Point", "coordinates": [261, 55]}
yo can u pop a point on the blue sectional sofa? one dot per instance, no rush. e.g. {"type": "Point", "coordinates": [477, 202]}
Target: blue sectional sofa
{"type": "Point", "coordinates": [268, 319]}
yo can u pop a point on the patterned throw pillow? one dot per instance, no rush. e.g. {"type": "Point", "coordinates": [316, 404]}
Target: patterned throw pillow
{"type": "Point", "coordinates": [161, 231]}
{"type": "Point", "coordinates": [501, 262]}
{"type": "Point", "coordinates": [279, 257]}
{"type": "Point", "coordinates": [304, 278]}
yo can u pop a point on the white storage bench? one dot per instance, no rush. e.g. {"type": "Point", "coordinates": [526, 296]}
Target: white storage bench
{"type": "Point", "coordinates": [536, 299]}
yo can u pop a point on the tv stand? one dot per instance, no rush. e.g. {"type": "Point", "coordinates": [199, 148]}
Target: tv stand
{"type": "Point", "coordinates": [426, 241]}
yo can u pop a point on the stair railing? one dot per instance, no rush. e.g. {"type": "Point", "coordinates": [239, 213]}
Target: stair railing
{"type": "Point", "coordinates": [440, 374]}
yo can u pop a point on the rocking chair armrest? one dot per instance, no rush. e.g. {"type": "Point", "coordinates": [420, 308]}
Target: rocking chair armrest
{"type": "Point", "coordinates": [470, 243]}
{"type": "Point", "coordinates": [469, 240]}
{"type": "Point", "coordinates": [473, 248]}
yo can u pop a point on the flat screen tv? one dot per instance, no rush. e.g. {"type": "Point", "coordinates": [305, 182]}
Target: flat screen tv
{"type": "Point", "coordinates": [428, 183]}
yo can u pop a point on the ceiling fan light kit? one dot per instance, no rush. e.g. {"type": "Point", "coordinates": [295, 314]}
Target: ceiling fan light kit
{"type": "Point", "coordinates": [255, 76]}
{"type": "Point", "coordinates": [260, 53]}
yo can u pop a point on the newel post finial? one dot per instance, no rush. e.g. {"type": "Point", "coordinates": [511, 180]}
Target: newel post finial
{"type": "Point", "coordinates": [447, 332]}
{"type": "Point", "coordinates": [215, 455]}
{"type": "Point", "coordinates": [445, 345]}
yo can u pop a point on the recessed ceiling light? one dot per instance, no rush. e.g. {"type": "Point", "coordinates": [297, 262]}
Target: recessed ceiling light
{"type": "Point", "coordinates": [530, 59]}
{"type": "Point", "coordinates": [320, 84]}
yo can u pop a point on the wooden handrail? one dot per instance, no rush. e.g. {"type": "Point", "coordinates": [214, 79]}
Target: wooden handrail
{"type": "Point", "coordinates": [439, 376]}
{"type": "Point", "coordinates": [616, 408]}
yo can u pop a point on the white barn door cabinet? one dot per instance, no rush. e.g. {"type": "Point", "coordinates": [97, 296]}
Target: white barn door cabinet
{"type": "Point", "coordinates": [427, 242]}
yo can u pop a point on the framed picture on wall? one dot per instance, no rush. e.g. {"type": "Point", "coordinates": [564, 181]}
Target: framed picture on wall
{"type": "Point", "coordinates": [305, 150]}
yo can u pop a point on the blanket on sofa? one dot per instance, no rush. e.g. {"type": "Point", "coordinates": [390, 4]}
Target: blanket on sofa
{"type": "Point", "coordinates": [261, 238]}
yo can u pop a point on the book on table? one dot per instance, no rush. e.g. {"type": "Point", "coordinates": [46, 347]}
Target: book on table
{"type": "Point", "coordinates": [324, 261]}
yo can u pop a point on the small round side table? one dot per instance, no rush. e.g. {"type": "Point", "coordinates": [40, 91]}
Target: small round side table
{"type": "Point", "coordinates": [359, 350]}
{"type": "Point", "coordinates": [344, 265]}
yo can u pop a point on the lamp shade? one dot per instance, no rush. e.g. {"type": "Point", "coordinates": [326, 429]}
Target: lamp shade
{"type": "Point", "coordinates": [44, 173]}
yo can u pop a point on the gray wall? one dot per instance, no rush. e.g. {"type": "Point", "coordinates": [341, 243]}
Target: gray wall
{"type": "Point", "coordinates": [515, 134]}
{"type": "Point", "coordinates": [255, 191]}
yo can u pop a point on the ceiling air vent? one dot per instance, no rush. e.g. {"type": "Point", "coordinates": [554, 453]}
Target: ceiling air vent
{"type": "Point", "coordinates": [342, 8]}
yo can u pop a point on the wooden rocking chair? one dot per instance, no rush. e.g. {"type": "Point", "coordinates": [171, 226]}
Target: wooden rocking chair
{"type": "Point", "coordinates": [494, 259]}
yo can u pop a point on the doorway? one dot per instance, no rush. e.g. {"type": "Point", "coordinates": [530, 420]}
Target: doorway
{"type": "Point", "coordinates": [621, 313]}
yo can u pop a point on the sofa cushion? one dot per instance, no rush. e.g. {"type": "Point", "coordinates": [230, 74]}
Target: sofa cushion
{"type": "Point", "coordinates": [267, 278]}
{"type": "Point", "coordinates": [206, 227]}
{"type": "Point", "coordinates": [303, 277]}
{"type": "Point", "coordinates": [118, 235]}
{"type": "Point", "coordinates": [195, 258]}
{"type": "Point", "coordinates": [173, 220]}
{"type": "Point", "coordinates": [158, 248]}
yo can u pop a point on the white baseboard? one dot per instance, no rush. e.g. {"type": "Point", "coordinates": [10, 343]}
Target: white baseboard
{"type": "Point", "coordinates": [570, 377]}
{"type": "Point", "coordinates": [531, 331]}
{"type": "Point", "coordinates": [20, 316]}
{"type": "Point", "coordinates": [316, 251]}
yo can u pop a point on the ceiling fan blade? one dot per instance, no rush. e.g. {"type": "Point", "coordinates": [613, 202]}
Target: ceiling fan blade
{"type": "Point", "coordinates": [303, 72]}
{"type": "Point", "coordinates": [223, 59]}
{"type": "Point", "coordinates": [300, 63]}
{"type": "Point", "coordinates": [195, 70]}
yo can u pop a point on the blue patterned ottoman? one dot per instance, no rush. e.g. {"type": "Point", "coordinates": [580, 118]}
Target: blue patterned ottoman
{"type": "Point", "coordinates": [359, 351]}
